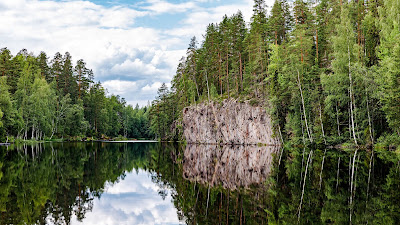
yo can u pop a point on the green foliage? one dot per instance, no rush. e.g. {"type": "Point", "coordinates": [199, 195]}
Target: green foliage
{"type": "Point", "coordinates": [163, 114]}
{"type": "Point", "coordinates": [39, 101]}
{"type": "Point", "coordinates": [1, 116]}
{"type": "Point", "coordinates": [327, 72]}
{"type": "Point", "coordinates": [389, 54]}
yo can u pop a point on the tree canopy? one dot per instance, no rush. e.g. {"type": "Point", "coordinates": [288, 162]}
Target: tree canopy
{"type": "Point", "coordinates": [327, 71]}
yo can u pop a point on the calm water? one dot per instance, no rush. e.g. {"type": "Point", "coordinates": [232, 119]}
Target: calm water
{"type": "Point", "coordinates": [153, 183]}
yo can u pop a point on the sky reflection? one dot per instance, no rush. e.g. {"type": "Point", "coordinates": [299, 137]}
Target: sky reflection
{"type": "Point", "coordinates": [133, 200]}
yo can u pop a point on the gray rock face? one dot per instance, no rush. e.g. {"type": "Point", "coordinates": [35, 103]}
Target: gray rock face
{"type": "Point", "coordinates": [231, 122]}
{"type": "Point", "coordinates": [229, 166]}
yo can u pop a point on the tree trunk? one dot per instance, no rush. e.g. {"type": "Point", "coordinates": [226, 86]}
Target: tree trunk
{"type": "Point", "coordinates": [369, 173]}
{"type": "Point", "coordinates": [208, 89]}
{"type": "Point", "coordinates": [80, 81]}
{"type": "Point", "coordinates": [351, 98]}
{"type": "Point", "coordinates": [219, 72]}
{"type": "Point", "coordinates": [304, 109]}
{"type": "Point", "coordinates": [322, 169]}
{"type": "Point", "coordinates": [227, 73]}
{"type": "Point", "coordinates": [316, 45]}
{"type": "Point", "coordinates": [322, 124]}
{"type": "Point", "coordinates": [369, 119]}
{"type": "Point", "coordinates": [241, 71]}
{"type": "Point", "coordinates": [337, 118]}
{"type": "Point", "coordinates": [266, 56]}
{"type": "Point", "coordinates": [352, 184]}
{"type": "Point", "coordinates": [337, 174]}
{"type": "Point", "coordinates": [304, 184]}
{"type": "Point", "coordinates": [301, 49]}
{"type": "Point", "coordinates": [33, 131]}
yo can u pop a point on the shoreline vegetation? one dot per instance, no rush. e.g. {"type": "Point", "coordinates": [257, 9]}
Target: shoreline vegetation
{"type": "Point", "coordinates": [327, 72]}
{"type": "Point", "coordinates": [77, 139]}
{"type": "Point", "coordinates": [42, 99]}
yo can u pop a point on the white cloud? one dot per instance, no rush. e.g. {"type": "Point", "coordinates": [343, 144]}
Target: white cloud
{"type": "Point", "coordinates": [197, 21]}
{"type": "Point", "coordinates": [135, 65]}
{"type": "Point", "coordinates": [130, 184]}
{"type": "Point", "coordinates": [160, 6]}
{"type": "Point", "coordinates": [119, 87]}
{"type": "Point", "coordinates": [152, 88]}
{"type": "Point", "coordinates": [134, 200]}
{"type": "Point", "coordinates": [110, 38]}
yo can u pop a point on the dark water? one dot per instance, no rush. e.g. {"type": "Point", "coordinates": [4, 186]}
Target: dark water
{"type": "Point", "coordinates": [153, 183]}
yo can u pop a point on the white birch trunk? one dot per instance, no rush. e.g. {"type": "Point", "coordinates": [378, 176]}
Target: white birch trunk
{"type": "Point", "coordinates": [304, 109]}
{"type": "Point", "coordinates": [351, 97]}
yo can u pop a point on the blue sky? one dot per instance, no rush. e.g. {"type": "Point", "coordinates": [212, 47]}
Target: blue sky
{"type": "Point", "coordinates": [133, 46]}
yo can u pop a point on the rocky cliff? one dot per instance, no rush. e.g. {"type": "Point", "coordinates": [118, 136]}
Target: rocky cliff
{"type": "Point", "coordinates": [229, 166]}
{"type": "Point", "coordinates": [229, 122]}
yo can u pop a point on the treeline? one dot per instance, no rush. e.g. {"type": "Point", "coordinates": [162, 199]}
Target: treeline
{"type": "Point", "coordinates": [328, 71]}
{"type": "Point", "coordinates": [42, 99]}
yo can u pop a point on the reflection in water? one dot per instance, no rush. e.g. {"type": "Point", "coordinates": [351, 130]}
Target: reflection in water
{"type": "Point", "coordinates": [106, 183]}
{"type": "Point", "coordinates": [133, 200]}
{"type": "Point", "coordinates": [93, 183]}
{"type": "Point", "coordinates": [231, 166]}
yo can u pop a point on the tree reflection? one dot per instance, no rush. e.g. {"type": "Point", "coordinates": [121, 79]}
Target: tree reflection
{"type": "Point", "coordinates": [52, 183]}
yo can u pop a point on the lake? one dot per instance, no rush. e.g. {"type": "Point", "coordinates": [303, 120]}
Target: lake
{"type": "Point", "coordinates": [160, 183]}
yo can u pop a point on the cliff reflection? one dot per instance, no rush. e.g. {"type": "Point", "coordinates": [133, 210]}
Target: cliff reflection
{"type": "Point", "coordinates": [63, 182]}
{"type": "Point", "coordinates": [229, 166]}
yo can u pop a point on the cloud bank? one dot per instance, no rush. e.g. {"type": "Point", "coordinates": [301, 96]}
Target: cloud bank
{"type": "Point", "coordinates": [132, 47]}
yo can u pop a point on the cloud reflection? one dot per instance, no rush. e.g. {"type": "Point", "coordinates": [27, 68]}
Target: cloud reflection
{"type": "Point", "coordinates": [134, 200]}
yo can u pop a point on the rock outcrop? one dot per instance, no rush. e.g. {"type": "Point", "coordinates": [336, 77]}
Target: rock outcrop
{"type": "Point", "coordinates": [230, 166]}
{"type": "Point", "coordinates": [229, 122]}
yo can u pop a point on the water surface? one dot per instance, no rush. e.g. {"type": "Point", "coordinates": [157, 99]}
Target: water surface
{"type": "Point", "coordinates": [154, 183]}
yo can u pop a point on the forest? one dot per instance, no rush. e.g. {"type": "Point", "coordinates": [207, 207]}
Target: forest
{"type": "Point", "coordinates": [327, 71]}
{"type": "Point", "coordinates": [47, 100]}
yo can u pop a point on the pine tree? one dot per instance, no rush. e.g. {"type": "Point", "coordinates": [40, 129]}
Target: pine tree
{"type": "Point", "coordinates": [80, 75]}
{"type": "Point", "coordinates": [279, 22]}
{"type": "Point", "coordinates": [191, 57]}
{"type": "Point", "coordinates": [238, 52]}
{"type": "Point", "coordinates": [56, 70]}
{"type": "Point", "coordinates": [257, 65]}
{"type": "Point", "coordinates": [5, 62]}
{"type": "Point", "coordinates": [68, 82]}
{"type": "Point", "coordinates": [210, 54]}
{"type": "Point", "coordinates": [43, 66]}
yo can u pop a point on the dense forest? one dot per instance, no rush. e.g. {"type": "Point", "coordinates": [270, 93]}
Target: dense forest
{"type": "Point", "coordinates": [42, 99]}
{"type": "Point", "coordinates": [327, 71]}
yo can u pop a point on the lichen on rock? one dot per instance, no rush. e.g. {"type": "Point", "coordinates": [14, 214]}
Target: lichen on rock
{"type": "Point", "coordinates": [229, 122]}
